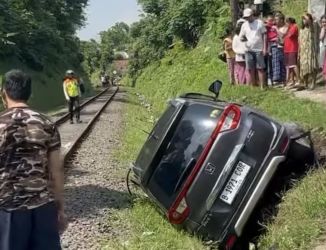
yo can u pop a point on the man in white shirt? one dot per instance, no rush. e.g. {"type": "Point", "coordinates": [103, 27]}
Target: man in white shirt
{"type": "Point", "coordinates": [253, 32]}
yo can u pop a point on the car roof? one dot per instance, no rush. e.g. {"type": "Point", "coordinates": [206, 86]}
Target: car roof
{"type": "Point", "coordinates": [194, 98]}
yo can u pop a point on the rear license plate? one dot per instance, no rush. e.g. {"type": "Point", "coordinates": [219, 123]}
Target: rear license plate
{"type": "Point", "coordinates": [235, 182]}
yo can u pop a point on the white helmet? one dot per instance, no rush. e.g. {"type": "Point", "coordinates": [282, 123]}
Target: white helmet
{"type": "Point", "coordinates": [70, 72]}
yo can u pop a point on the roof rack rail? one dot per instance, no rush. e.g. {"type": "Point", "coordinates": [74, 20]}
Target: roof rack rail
{"type": "Point", "coordinates": [197, 96]}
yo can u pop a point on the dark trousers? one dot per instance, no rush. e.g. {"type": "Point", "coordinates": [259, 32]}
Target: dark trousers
{"type": "Point", "coordinates": [34, 229]}
{"type": "Point", "coordinates": [74, 103]}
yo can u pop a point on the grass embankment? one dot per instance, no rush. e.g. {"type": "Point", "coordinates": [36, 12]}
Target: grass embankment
{"type": "Point", "coordinates": [302, 213]}
{"type": "Point", "coordinates": [47, 91]}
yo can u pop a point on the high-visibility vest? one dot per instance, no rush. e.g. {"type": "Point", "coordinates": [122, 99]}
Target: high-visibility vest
{"type": "Point", "coordinates": [71, 86]}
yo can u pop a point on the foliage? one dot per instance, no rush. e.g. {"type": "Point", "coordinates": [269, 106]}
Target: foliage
{"type": "Point", "coordinates": [38, 36]}
{"type": "Point", "coordinates": [294, 8]}
{"type": "Point", "coordinates": [91, 56]}
{"type": "Point", "coordinates": [164, 24]}
{"type": "Point", "coordinates": [37, 30]}
{"type": "Point", "coordinates": [169, 22]}
{"type": "Point", "coordinates": [114, 39]}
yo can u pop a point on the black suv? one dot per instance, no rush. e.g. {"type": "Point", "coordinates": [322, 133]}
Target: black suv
{"type": "Point", "coordinates": [207, 163]}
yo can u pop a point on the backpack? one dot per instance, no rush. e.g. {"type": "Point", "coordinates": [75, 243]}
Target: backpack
{"type": "Point", "coordinates": [82, 88]}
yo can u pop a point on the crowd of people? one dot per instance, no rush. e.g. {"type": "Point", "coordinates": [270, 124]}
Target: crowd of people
{"type": "Point", "coordinates": [106, 80]}
{"type": "Point", "coordinates": [274, 51]}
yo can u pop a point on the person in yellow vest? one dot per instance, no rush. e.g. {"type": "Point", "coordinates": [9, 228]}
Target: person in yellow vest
{"type": "Point", "coordinates": [72, 93]}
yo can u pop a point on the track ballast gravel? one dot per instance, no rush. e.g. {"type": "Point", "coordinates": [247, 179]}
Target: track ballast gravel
{"type": "Point", "coordinates": [93, 189]}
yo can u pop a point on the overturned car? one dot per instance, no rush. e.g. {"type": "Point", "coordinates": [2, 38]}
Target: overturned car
{"type": "Point", "coordinates": [207, 164]}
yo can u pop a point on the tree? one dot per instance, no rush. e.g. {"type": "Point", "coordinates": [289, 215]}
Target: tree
{"type": "Point", "coordinates": [163, 23]}
{"type": "Point", "coordinates": [116, 38]}
{"type": "Point", "coordinates": [235, 11]}
{"type": "Point", "coordinates": [167, 21]}
{"type": "Point", "coordinates": [91, 56]}
{"type": "Point", "coordinates": [36, 31]}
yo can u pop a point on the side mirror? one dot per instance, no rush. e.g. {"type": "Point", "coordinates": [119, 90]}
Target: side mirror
{"type": "Point", "coordinates": [215, 88]}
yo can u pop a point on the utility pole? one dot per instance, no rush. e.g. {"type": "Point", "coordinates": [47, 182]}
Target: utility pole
{"type": "Point", "coordinates": [234, 11]}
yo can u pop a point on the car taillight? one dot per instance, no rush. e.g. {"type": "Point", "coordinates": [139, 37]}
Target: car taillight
{"type": "Point", "coordinates": [284, 145]}
{"type": "Point", "coordinates": [179, 210]}
{"type": "Point", "coordinates": [229, 120]}
{"type": "Point", "coordinates": [230, 242]}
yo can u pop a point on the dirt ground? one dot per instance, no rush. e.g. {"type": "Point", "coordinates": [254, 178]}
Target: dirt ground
{"type": "Point", "coordinates": [316, 95]}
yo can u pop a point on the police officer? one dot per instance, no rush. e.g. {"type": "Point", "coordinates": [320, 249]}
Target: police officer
{"type": "Point", "coordinates": [72, 93]}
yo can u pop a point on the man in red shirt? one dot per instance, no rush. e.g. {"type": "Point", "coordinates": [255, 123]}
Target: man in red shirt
{"type": "Point", "coordinates": [291, 48]}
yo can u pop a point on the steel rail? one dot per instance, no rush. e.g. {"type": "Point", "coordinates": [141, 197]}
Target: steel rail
{"type": "Point", "coordinates": [65, 117]}
{"type": "Point", "coordinates": [71, 149]}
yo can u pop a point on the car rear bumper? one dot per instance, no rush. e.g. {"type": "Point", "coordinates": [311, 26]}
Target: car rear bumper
{"type": "Point", "coordinates": [241, 216]}
{"type": "Point", "coordinates": [257, 193]}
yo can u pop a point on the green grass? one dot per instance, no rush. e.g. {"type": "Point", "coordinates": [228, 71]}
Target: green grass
{"type": "Point", "coordinates": [302, 217]}
{"type": "Point", "coordinates": [151, 231]}
{"type": "Point", "coordinates": [295, 8]}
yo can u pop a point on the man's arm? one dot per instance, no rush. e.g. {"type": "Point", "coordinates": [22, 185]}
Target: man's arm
{"type": "Point", "coordinates": [322, 34]}
{"type": "Point", "coordinates": [265, 44]}
{"type": "Point", "coordinates": [242, 33]}
{"type": "Point", "coordinates": [55, 165]}
{"type": "Point", "coordinates": [57, 184]}
{"type": "Point", "coordinates": [265, 41]}
{"type": "Point", "coordinates": [65, 91]}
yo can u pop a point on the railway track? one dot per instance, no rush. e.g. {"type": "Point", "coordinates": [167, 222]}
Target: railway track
{"type": "Point", "coordinates": [72, 134]}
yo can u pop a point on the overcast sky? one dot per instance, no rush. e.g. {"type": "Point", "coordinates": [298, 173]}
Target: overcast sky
{"type": "Point", "coordinates": [102, 14]}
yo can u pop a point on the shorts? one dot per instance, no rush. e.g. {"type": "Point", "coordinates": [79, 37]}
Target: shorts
{"type": "Point", "coordinates": [34, 229]}
{"type": "Point", "coordinates": [255, 60]}
{"type": "Point", "coordinates": [291, 59]}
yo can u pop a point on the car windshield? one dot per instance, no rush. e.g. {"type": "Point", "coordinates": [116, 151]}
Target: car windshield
{"type": "Point", "coordinates": [154, 140]}
{"type": "Point", "coordinates": [182, 152]}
